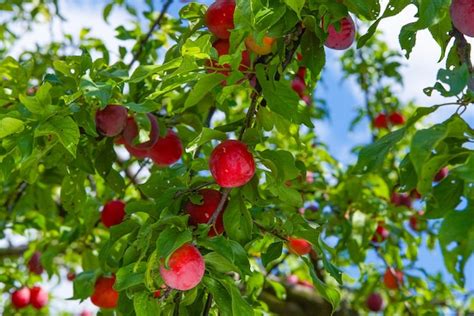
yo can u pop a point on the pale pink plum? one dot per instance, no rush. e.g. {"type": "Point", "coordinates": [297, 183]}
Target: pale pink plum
{"type": "Point", "coordinates": [344, 38]}
{"type": "Point", "coordinates": [21, 297]}
{"type": "Point", "coordinates": [231, 164]}
{"type": "Point", "coordinates": [462, 15]}
{"type": "Point", "coordinates": [186, 268]}
{"type": "Point", "coordinates": [39, 297]}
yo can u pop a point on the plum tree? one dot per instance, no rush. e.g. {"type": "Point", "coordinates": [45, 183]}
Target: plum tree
{"type": "Point", "coordinates": [111, 120]}
{"type": "Point", "coordinates": [220, 18]}
{"type": "Point", "coordinates": [393, 278]}
{"type": "Point", "coordinates": [462, 12]}
{"type": "Point", "coordinates": [167, 150]}
{"type": "Point", "coordinates": [104, 295]}
{"type": "Point", "coordinates": [185, 268]}
{"type": "Point", "coordinates": [231, 164]}
{"type": "Point", "coordinates": [202, 213]}
{"type": "Point", "coordinates": [299, 246]}
{"type": "Point", "coordinates": [374, 302]}
{"type": "Point", "coordinates": [39, 297]}
{"type": "Point", "coordinates": [21, 297]}
{"type": "Point", "coordinates": [343, 37]}
{"type": "Point", "coordinates": [113, 213]}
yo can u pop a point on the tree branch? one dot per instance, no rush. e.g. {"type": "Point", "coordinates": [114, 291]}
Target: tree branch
{"type": "Point", "coordinates": [152, 29]}
{"type": "Point", "coordinates": [207, 308]}
{"type": "Point", "coordinates": [13, 251]}
{"type": "Point", "coordinates": [220, 206]}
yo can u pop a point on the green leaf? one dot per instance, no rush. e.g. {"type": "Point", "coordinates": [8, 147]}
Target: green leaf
{"type": "Point", "coordinates": [130, 275]}
{"type": "Point", "coordinates": [296, 5]}
{"type": "Point", "coordinates": [457, 79]}
{"type": "Point", "coordinates": [393, 8]}
{"type": "Point", "coordinates": [373, 156]}
{"type": "Point", "coordinates": [219, 263]}
{"type": "Point", "coordinates": [370, 9]}
{"type": "Point", "coordinates": [314, 55]}
{"type": "Point", "coordinates": [10, 125]}
{"type": "Point", "coordinates": [330, 293]}
{"type": "Point", "coordinates": [170, 240]}
{"type": "Point", "coordinates": [237, 220]}
{"type": "Point", "coordinates": [273, 252]}
{"type": "Point", "coordinates": [427, 140]}
{"type": "Point", "coordinates": [143, 72]}
{"type": "Point", "coordinates": [446, 197]}
{"type": "Point", "coordinates": [282, 99]}
{"type": "Point", "coordinates": [239, 305]}
{"type": "Point", "coordinates": [284, 163]}
{"type": "Point", "coordinates": [205, 136]}
{"type": "Point", "coordinates": [99, 90]}
{"type": "Point", "coordinates": [203, 87]}
{"type": "Point", "coordinates": [430, 12]}
{"type": "Point", "coordinates": [231, 250]}
{"type": "Point", "coordinates": [64, 128]}
{"type": "Point", "coordinates": [458, 229]}
{"type": "Point", "coordinates": [220, 294]}
{"type": "Point", "coordinates": [83, 285]}
{"type": "Point", "coordinates": [145, 305]}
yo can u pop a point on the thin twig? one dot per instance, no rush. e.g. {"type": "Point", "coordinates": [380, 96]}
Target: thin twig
{"type": "Point", "coordinates": [220, 206]}
{"type": "Point", "coordinates": [134, 178]}
{"type": "Point", "coordinates": [177, 302]}
{"type": "Point", "coordinates": [157, 22]}
{"type": "Point", "coordinates": [207, 307]}
{"type": "Point", "coordinates": [194, 189]}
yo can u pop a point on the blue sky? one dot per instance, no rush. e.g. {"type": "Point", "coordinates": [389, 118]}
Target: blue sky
{"type": "Point", "coordinates": [342, 96]}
